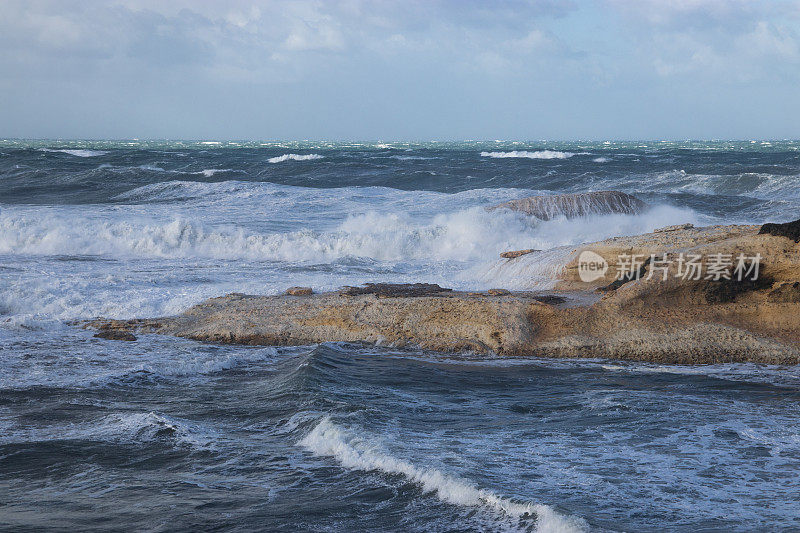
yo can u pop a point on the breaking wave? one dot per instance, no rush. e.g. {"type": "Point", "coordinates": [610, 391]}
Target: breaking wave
{"type": "Point", "coordinates": [77, 153]}
{"type": "Point", "coordinates": [293, 157]}
{"type": "Point", "coordinates": [471, 234]}
{"type": "Point", "coordinates": [542, 154]}
{"type": "Point", "coordinates": [352, 452]}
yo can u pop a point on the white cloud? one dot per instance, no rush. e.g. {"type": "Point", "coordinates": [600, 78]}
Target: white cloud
{"type": "Point", "coordinates": [727, 40]}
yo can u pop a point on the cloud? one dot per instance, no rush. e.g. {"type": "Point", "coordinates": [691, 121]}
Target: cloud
{"type": "Point", "coordinates": [355, 61]}
{"type": "Point", "coordinates": [261, 35]}
{"type": "Point", "coordinates": [729, 40]}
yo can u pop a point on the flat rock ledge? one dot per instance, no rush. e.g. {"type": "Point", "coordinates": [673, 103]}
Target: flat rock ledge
{"type": "Point", "coordinates": [672, 321]}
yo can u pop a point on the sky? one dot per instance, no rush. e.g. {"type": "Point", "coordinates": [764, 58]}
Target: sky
{"type": "Point", "coordinates": [400, 70]}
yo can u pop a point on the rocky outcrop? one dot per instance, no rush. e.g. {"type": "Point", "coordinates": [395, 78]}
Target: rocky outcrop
{"type": "Point", "coordinates": [790, 230]}
{"type": "Point", "coordinates": [576, 205]}
{"type": "Point", "coordinates": [657, 316]}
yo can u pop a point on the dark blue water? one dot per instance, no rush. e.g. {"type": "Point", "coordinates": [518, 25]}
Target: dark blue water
{"type": "Point", "coordinates": [169, 434]}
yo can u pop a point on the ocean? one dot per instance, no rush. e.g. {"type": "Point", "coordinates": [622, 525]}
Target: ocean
{"type": "Point", "coordinates": [167, 434]}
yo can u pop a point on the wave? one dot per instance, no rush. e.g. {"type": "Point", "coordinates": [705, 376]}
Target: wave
{"type": "Point", "coordinates": [329, 440]}
{"type": "Point", "coordinates": [148, 427]}
{"type": "Point", "coordinates": [77, 153]}
{"type": "Point", "coordinates": [294, 157]}
{"type": "Point", "coordinates": [542, 154]}
{"type": "Point", "coordinates": [141, 427]}
{"type": "Point", "coordinates": [601, 159]}
{"type": "Point", "coordinates": [464, 235]}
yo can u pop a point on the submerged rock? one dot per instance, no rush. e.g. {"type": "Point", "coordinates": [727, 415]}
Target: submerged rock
{"type": "Point", "coordinates": [115, 335]}
{"type": "Point", "coordinates": [790, 230]}
{"type": "Point", "coordinates": [576, 205]}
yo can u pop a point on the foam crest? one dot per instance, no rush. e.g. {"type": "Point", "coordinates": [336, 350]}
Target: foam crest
{"type": "Point", "coordinates": [464, 235]}
{"type": "Point", "coordinates": [329, 440]}
{"type": "Point", "coordinates": [294, 157]}
{"type": "Point", "coordinates": [541, 154]}
{"type": "Point", "coordinates": [77, 153]}
{"type": "Point", "coordinates": [211, 171]}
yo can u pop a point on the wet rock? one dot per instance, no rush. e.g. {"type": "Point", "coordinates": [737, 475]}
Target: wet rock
{"type": "Point", "coordinates": [790, 230]}
{"type": "Point", "coordinates": [395, 290]}
{"type": "Point", "coordinates": [115, 335]}
{"type": "Point", "coordinates": [299, 291]}
{"type": "Point", "coordinates": [576, 205]}
{"type": "Point", "coordinates": [518, 253]}
{"type": "Point", "coordinates": [550, 299]}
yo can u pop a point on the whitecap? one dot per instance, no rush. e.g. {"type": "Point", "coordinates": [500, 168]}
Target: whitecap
{"type": "Point", "coordinates": [542, 154]}
{"type": "Point", "coordinates": [77, 153]}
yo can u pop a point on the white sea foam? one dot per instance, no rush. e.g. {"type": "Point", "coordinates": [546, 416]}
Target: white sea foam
{"type": "Point", "coordinates": [211, 171]}
{"type": "Point", "coordinates": [542, 154]}
{"type": "Point", "coordinates": [294, 157]}
{"type": "Point", "coordinates": [219, 235]}
{"type": "Point", "coordinates": [601, 160]}
{"type": "Point", "coordinates": [352, 452]}
{"type": "Point", "coordinates": [77, 153]}
{"type": "Point", "coordinates": [464, 235]}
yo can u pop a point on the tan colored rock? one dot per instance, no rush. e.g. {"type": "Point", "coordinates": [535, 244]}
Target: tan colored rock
{"type": "Point", "coordinates": [498, 292]}
{"type": "Point", "coordinates": [299, 291]}
{"type": "Point", "coordinates": [517, 253]}
{"type": "Point", "coordinates": [668, 320]}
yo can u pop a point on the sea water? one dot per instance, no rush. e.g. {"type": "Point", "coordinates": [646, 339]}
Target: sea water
{"type": "Point", "coordinates": [171, 434]}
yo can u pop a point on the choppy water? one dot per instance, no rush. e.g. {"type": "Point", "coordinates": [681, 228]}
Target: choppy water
{"type": "Point", "coordinates": [168, 434]}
